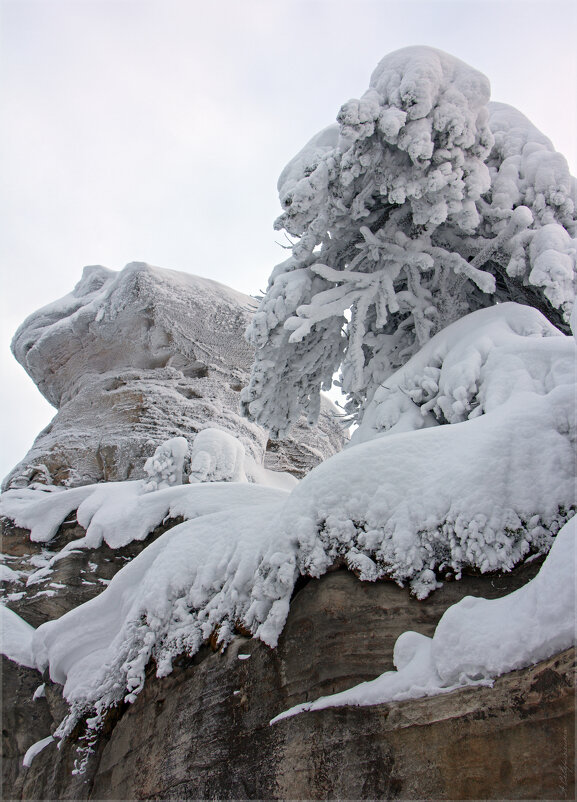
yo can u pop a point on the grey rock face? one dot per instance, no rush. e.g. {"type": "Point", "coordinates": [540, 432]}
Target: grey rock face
{"type": "Point", "coordinates": [131, 359]}
{"type": "Point", "coordinates": [203, 731]}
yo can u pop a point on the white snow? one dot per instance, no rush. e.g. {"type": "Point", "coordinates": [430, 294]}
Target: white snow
{"type": "Point", "coordinates": [470, 368]}
{"type": "Point", "coordinates": [200, 576]}
{"type": "Point", "coordinates": [35, 749]}
{"type": "Point", "coordinates": [478, 639]}
{"type": "Point", "coordinates": [217, 456]}
{"type": "Point", "coordinates": [16, 638]}
{"type": "Point", "coordinates": [165, 467]}
{"type": "Point", "coordinates": [8, 574]}
{"type": "Point", "coordinates": [486, 490]}
{"type": "Point", "coordinates": [120, 512]}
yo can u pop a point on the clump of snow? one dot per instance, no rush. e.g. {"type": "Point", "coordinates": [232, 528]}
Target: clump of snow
{"type": "Point", "coordinates": [9, 575]}
{"type": "Point", "coordinates": [165, 467]}
{"type": "Point", "coordinates": [469, 369]}
{"type": "Point", "coordinates": [35, 749]}
{"type": "Point", "coordinates": [16, 640]}
{"type": "Point", "coordinates": [478, 639]}
{"type": "Point", "coordinates": [217, 456]}
{"type": "Point", "coordinates": [40, 692]}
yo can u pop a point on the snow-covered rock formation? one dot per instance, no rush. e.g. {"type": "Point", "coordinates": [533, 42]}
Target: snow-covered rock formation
{"type": "Point", "coordinates": [459, 482]}
{"type": "Point", "coordinates": [134, 358]}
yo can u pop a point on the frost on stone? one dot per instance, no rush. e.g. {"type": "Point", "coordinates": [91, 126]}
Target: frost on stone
{"type": "Point", "coordinates": [138, 357]}
{"type": "Point", "coordinates": [424, 203]}
{"type": "Point", "coordinates": [166, 466]}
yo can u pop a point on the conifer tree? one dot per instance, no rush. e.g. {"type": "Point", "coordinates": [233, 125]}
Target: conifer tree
{"type": "Point", "coordinates": [423, 203]}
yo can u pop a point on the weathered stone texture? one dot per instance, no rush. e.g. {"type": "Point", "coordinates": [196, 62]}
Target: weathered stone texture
{"type": "Point", "coordinates": [203, 732]}
{"type": "Point", "coordinates": [133, 358]}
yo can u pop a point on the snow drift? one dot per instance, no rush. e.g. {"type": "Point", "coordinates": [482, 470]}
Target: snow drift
{"type": "Point", "coordinates": [477, 640]}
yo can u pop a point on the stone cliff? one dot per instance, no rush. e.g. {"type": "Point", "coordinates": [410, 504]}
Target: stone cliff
{"type": "Point", "coordinates": [133, 358]}
{"type": "Point", "coordinates": [203, 732]}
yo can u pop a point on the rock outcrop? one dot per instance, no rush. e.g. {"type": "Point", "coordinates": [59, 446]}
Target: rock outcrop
{"type": "Point", "coordinates": [133, 358]}
{"type": "Point", "coordinates": [203, 732]}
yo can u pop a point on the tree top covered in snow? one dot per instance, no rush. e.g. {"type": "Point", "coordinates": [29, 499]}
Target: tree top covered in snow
{"type": "Point", "coordinates": [424, 203]}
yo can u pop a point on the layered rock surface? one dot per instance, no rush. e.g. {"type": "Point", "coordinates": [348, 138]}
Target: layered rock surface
{"type": "Point", "coordinates": [135, 357]}
{"type": "Point", "coordinates": [203, 732]}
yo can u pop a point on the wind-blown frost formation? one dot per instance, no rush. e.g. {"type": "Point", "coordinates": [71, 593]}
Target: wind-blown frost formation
{"type": "Point", "coordinates": [424, 203]}
{"type": "Point", "coordinates": [478, 639]}
{"type": "Point", "coordinates": [483, 492]}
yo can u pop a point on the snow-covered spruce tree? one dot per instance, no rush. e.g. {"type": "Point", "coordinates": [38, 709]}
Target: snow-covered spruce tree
{"type": "Point", "coordinates": [424, 203]}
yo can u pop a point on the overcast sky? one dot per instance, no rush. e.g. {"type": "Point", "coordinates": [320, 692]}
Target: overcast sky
{"type": "Point", "coordinates": [155, 130]}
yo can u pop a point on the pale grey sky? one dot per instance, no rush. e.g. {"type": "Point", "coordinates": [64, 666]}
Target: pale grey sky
{"type": "Point", "coordinates": [155, 130]}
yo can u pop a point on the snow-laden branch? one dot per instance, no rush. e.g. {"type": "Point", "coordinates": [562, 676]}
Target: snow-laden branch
{"type": "Point", "coordinates": [424, 203]}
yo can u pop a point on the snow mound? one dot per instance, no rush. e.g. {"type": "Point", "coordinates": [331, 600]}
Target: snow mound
{"type": "Point", "coordinates": [217, 457]}
{"type": "Point", "coordinates": [478, 639]}
{"type": "Point", "coordinates": [470, 368]}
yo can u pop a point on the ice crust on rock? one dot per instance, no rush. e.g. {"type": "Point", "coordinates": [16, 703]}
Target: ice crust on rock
{"type": "Point", "coordinates": [136, 358]}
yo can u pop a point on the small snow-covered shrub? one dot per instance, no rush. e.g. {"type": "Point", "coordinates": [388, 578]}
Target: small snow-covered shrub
{"type": "Point", "coordinates": [216, 456]}
{"type": "Point", "coordinates": [165, 467]}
